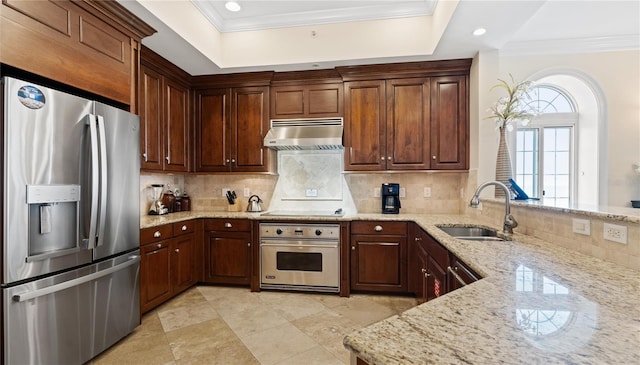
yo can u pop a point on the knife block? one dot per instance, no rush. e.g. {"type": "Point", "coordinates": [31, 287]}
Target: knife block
{"type": "Point", "coordinates": [234, 208]}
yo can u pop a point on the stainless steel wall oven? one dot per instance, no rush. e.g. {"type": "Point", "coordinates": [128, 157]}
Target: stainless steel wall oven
{"type": "Point", "coordinates": [300, 257]}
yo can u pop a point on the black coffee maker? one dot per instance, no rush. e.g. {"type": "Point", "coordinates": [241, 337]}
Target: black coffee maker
{"type": "Point", "coordinates": [390, 193]}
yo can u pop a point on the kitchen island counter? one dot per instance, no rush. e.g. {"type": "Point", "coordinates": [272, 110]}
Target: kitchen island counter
{"type": "Point", "coordinates": [537, 303]}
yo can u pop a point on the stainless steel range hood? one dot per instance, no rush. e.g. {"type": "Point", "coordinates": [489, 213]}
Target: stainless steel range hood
{"type": "Point", "coordinates": [305, 134]}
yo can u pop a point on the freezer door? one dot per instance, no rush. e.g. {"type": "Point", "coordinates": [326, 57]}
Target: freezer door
{"type": "Point", "coordinates": [120, 221]}
{"type": "Point", "coordinates": [70, 318]}
{"type": "Point", "coordinates": [44, 131]}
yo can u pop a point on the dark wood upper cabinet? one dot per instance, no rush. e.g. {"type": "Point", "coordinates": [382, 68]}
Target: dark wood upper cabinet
{"type": "Point", "coordinates": [231, 124]}
{"type": "Point", "coordinates": [165, 133]}
{"type": "Point", "coordinates": [449, 123]}
{"type": "Point", "coordinates": [96, 44]}
{"type": "Point", "coordinates": [408, 105]}
{"type": "Point", "coordinates": [307, 101]}
{"type": "Point", "coordinates": [365, 125]}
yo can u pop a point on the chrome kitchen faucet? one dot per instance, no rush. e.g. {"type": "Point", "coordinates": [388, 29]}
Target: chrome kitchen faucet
{"type": "Point", "coordinates": [509, 222]}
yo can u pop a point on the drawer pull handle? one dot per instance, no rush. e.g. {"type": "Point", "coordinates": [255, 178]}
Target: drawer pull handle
{"type": "Point", "coordinates": [157, 234]}
{"type": "Point", "coordinates": [184, 227]}
{"type": "Point", "coordinates": [228, 225]}
{"type": "Point", "coordinates": [377, 228]}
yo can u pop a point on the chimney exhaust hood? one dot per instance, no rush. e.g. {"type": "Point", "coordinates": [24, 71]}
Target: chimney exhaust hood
{"type": "Point", "coordinates": [305, 134]}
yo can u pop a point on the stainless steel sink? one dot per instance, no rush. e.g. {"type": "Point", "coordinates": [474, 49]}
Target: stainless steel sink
{"type": "Point", "coordinates": [473, 233]}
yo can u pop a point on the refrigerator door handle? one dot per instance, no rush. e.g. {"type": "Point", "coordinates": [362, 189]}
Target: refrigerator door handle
{"type": "Point", "coordinates": [103, 181]}
{"type": "Point", "coordinates": [134, 259]}
{"type": "Point", "coordinates": [90, 241]}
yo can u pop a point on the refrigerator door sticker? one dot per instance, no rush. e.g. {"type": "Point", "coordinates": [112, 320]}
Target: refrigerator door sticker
{"type": "Point", "coordinates": [31, 97]}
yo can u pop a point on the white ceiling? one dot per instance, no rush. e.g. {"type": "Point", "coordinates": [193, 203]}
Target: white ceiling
{"type": "Point", "coordinates": [513, 27]}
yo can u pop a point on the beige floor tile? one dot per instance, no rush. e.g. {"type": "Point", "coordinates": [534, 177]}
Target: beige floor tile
{"type": "Point", "coordinates": [231, 325]}
{"type": "Point", "coordinates": [328, 329]}
{"type": "Point", "coordinates": [363, 311]}
{"type": "Point", "coordinates": [188, 297]}
{"type": "Point", "coordinates": [186, 315]}
{"type": "Point", "coordinates": [201, 339]}
{"type": "Point", "coordinates": [291, 305]}
{"type": "Point", "coordinates": [278, 343]}
{"type": "Point", "coordinates": [315, 356]}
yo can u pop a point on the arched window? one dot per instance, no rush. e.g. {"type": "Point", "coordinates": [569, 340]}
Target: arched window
{"type": "Point", "coordinates": [545, 149]}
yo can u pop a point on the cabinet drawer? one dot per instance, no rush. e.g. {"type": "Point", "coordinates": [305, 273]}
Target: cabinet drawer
{"type": "Point", "coordinates": [230, 225]}
{"type": "Point", "coordinates": [378, 227]}
{"type": "Point", "coordinates": [184, 227]}
{"type": "Point", "coordinates": [155, 234]}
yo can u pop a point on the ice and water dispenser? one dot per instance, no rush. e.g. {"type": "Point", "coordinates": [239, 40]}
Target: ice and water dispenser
{"type": "Point", "coordinates": [54, 213]}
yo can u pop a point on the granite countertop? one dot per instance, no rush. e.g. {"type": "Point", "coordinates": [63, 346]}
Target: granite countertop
{"type": "Point", "coordinates": [536, 304]}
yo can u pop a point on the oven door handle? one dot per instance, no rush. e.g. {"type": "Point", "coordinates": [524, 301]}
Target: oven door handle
{"type": "Point", "coordinates": [303, 245]}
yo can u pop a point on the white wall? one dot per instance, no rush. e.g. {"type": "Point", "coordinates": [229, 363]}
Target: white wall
{"type": "Point", "coordinates": [617, 74]}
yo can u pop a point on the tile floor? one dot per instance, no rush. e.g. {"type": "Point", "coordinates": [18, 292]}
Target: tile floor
{"type": "Point", "coordinates": [229, 325]}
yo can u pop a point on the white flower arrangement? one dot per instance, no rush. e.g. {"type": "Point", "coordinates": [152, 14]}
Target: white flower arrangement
{"type": "Point", "coordinates": [513, 107]}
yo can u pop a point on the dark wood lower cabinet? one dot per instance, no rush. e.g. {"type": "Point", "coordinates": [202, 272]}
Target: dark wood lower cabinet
{"type": "Point", "coordinates": [379, 261]}
{"type": "Point", "coordinates": [228, 248]}
{"type": "Point", "coordinates": [168, 262]}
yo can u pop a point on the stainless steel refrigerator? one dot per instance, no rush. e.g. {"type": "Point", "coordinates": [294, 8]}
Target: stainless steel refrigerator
{"type": "Point", "coordinates": [70, 225]}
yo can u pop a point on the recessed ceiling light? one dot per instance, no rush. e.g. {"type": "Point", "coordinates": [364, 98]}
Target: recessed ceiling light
{"type": "Point", "coordinates": [232, 6]}
{"type": "Point", "coordinates": [479, 31]}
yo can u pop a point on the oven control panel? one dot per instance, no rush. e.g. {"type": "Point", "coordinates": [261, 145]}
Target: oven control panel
{"type": "Point", "coordinates": [306, 231]}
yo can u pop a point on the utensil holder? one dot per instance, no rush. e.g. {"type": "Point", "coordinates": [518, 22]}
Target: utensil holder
{"type": "Point", "coordinates": [234, 208]}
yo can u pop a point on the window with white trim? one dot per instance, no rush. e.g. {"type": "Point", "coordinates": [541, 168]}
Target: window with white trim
{"type": "Point", "coordinates": [545, 158]}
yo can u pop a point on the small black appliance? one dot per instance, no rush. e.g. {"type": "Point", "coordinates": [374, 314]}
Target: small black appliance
{"type": "Point", "coordinates": [390, 193]}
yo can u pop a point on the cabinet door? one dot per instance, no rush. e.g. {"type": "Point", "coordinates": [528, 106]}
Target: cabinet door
{"type": "Point", "coordinates": [155, 278]}
{"type": "Point", "coordinates": [228, 258]}
{"type": "Point", "coordinates": [287, 102]}
{"type": "Point", "coordinates": [250, 123]}
{"type": "Point", "coordinates": [324, 100]}
{"type": "Point", "coordinates": [365, 125]}
{"type": "Point", "coordinates": [176, 106]}
{"type": "Point", "coordinates": [408, 117]}
{"type": "Point", "coordinates": [417, 268]}
{"type": "Point", "coordinates": [212, 129]}
{"type": "Point", "coordinates": [449, 123]}
{"type": "Point", "coordinates": [378, 263]}
{"type": "Point", "coordinates": [436, 280]}
{"type": "Point", "coordinates": [183, 262]}
{"type": "Point", "coordinates": [150, 108]}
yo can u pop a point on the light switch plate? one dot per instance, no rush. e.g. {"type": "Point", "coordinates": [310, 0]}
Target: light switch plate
{"type": "Point", "coordinates": [246, 192]}
{"type": "Point", "coordinates": [427, 192]}
{"type": "Point", "coordinates": [582, 226]}
{"type": "Point", "coordinates": [376, 192]}
{"type": "Point", "coordinates": [403, 192]}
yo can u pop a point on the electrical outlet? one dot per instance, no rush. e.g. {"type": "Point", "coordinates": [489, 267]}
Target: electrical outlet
{"type": "Point", "coordinates": [615, 233]}
{"type": "Point", "coordinates": [427, 192]}
{"type": "Point", "coordinates": [246, 192]}
{"type": "Point", "coordinates": [403, 193]}
{"type": "Point", "coordinates": [224, 191]}
{"type": "Point", "coordinates": [582, 226]}
{"type": "Point", "coordinates": [311, 192]}
{"type": "Point", "coordinates": [376, 192]}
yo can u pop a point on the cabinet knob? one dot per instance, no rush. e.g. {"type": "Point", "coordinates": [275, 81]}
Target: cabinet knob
{"type": "Point", "coordinates": [168, 159]}
{"type": "Point", "coordinates": [418, 239]}
{"type": "Point", "coordinates": [228, 225]}
{"type": "Point", "coordinates": [353, 248]}
{"type": "Point", "coordinates": [423, 270]}
{"type": "Point", "coordinates": [177, 250]}
{"type": "Point", "coordinates": [233, 160]}
{"type": "Point", "coordinates": [426, 274]}
{"type": "Point", "coordinates": [377, 228]}
{"type": "Point", "coordinates": [157, 234]}
{"type": "Point", "coordinates": [382, 158]}
{"type": "Point", "coordinates": [433, 157]}
{"type": "Point", "coordinates": [184, 228]}
{"type": "Point", "coordinates": [388, 158]}
{"type": "Point", "coordinates": [159, 245]}
{"type": "Point", "coordinates": [144, 155]}
{"type": "Point", "coordinates": [248, 244]}
{"type": "Point", "coordinates": [227, 160]}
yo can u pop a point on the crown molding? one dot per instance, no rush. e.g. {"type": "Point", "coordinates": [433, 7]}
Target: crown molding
{"type": "Point", "coordinates": [575, 45]}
